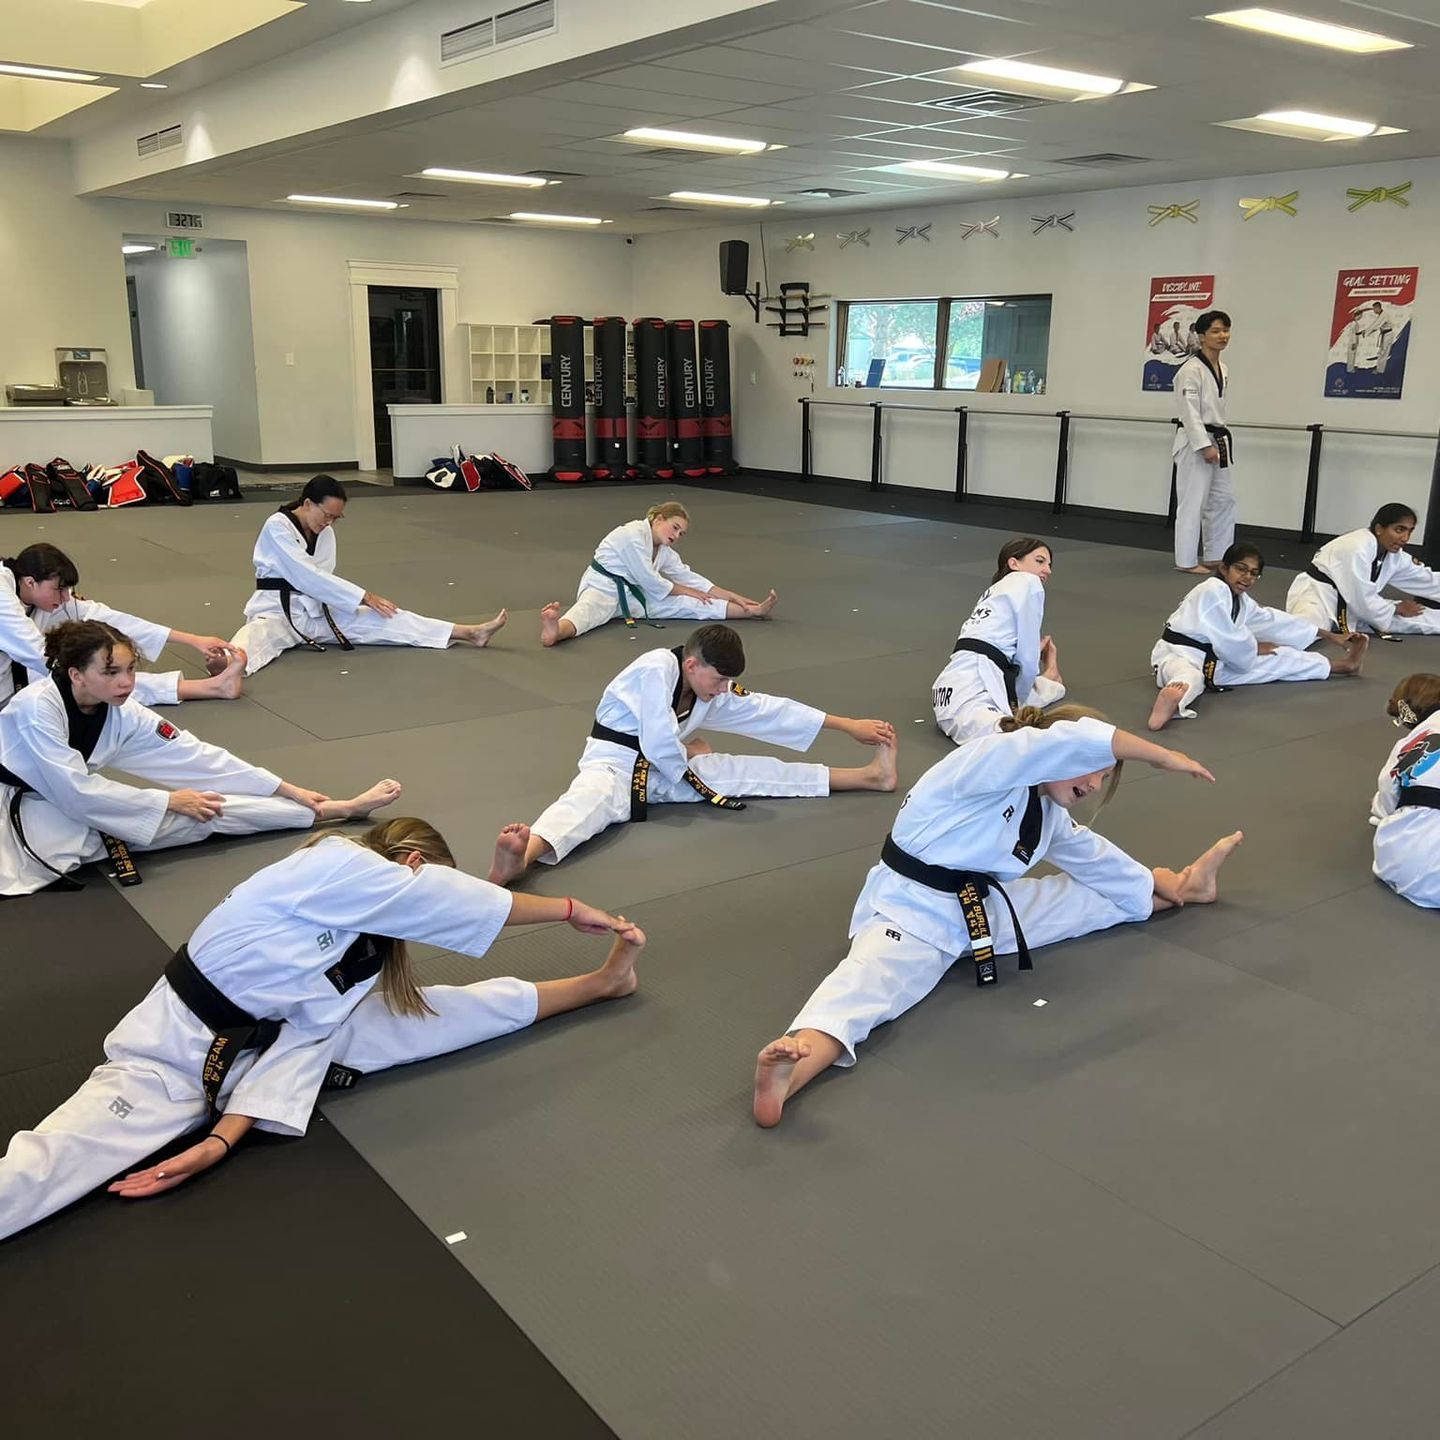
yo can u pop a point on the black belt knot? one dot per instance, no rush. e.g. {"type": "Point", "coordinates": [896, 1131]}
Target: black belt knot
{"type": "Point", "coordinates": [997, 657]}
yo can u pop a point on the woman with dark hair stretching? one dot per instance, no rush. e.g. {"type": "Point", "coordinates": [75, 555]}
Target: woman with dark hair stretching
{"type": "Point", "coordinates": [57, 812]}
{"type": "Point", "coordinates": [299, 978]}
{"type": "Point", "coordinates": [300, 600]}
{"type": "Point", "coordinates": [1000, 659]}
{"type": "Point", "coordinates": [1343, 587]}
{"type": "Point", "coordinates": [1406, 809]}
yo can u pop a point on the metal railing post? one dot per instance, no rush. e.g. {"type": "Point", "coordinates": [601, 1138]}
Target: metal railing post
{"type": "Point", "coordinates": [1062, 461]}
{"type": "Point", "coordinates": [962, 452]}
{"type": "Point", "coordinates": [1312, 484]}
{"type": "Point", "coordinates": [805, 437]}
{"type": "Point", "coordinates": [879, 410]}
{"type": "Point", "coordinates": [1430, 550]}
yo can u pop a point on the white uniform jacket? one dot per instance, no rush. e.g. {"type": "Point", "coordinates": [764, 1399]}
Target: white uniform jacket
{"type": "Point", "coordinates": [641, 701]}
{"type": "Point", "coordinates": [1361, 568]}
{"type": "Point", "coordinates": [21, 642]}
{"type": "Point", "coordinates": [1231, 624]}
{"type": "Point", "coordinates": [1407, 838]}
{"type": "Point", "coordinates": [282, 553]}
{"type": "Point", "coordinates": [1010, 616]}
{"type": "Point", "coordinates": [965, 813]}
{"type": "Point", "coordinates": [630, 550]}
{"type": "Point", "coordinates": [1202, 403]}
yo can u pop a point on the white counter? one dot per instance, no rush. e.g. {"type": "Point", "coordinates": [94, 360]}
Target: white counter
{"type": "Point", "coordinates": [419, 433]}
{"type": "Point", "coordinates": [102, 434]}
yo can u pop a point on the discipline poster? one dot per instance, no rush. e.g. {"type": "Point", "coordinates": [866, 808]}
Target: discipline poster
{"type": "Point", "coordinates": [1176, 303]}
{"type": "Point", "coordinates": [1370, 333]}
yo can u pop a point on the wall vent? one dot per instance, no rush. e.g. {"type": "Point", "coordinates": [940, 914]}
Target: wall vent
{"type": "Point", "coordinates": [988, 102]}
{"type": "Point", "coordinates": [498, 28]}
{"type": "Point", "coordinates": [1106, 157]}
{"type": "Point", "coordinates": [153, 144]}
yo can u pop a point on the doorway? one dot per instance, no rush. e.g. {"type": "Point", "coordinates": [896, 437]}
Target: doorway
{"type": "Point", "coordinates": [404, 355]}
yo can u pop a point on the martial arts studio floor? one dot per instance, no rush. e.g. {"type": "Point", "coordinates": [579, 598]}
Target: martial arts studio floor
{"type": "Point", "coordinates": [1193, 1194]}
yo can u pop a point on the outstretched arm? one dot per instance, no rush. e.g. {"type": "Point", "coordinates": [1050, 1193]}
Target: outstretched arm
{"type": "Point", "coordinates": [225, 1134]}
{"type": "Point", "coordinates": [867, 732]}
{"type": "Point", "coordinates": [1126, 746]}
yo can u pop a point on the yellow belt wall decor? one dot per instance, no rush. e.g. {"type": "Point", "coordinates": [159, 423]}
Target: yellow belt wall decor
{"type": "Point", "coordinates": [1285, 203]}
{"type": "Point", "coordinates": [1379, 194]}
{"type": "Point", "coordinates": [1175, 212]}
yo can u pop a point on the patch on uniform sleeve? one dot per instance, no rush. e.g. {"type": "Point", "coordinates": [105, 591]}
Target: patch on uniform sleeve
{"type": "Point", "coordinates": [736, 688]}
{"type": "Point", "coordinates": [165, 730]}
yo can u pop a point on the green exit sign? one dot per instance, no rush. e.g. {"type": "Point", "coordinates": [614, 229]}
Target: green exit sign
{"type": "Point", "coordinates": [180, 249]}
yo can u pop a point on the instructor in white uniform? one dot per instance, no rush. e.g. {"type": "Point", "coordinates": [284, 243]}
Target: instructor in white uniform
{"type": "Point", "coordinates": [298, 980]}
{"type": "Point", "coordinates": [1204, 452]}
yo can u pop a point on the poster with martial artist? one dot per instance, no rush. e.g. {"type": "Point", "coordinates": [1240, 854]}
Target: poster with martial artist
{"type": "Point", "coordinates": [1176, 303]}
{"type": "Point", "coordinates": [1370, 333]}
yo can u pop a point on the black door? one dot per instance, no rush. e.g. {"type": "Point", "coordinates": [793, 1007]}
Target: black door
{"type": "Point", "coordinates": [404, 355]}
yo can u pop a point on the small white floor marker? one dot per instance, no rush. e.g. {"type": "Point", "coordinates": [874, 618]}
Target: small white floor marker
{"type": "Point", "coordinates": [456, 1238]}
{"type": "Point", "coordinates": [1039, 1003]}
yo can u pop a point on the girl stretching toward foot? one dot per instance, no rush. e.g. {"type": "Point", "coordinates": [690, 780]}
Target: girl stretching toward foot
{"type": "Point", "coordinates": [300, 600]}
{"type": "Point", "coordinates": [298, 980]}
{"type": "Point", "coordinates": [977, 821]}
{"type": "Point", "coordinates": [636, 572]}
{"type": "Point", "coordinates": [1220, 637]}
{"type": "Point", "coordinates": [1001, 659]}
{"type": "Point", "coordinates": [57, 812]}
{"type": "Point", "coordinates": [1406, 809]}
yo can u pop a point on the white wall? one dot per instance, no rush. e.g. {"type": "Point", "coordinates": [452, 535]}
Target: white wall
{"type": "Point", "coordinates": [1274, 273]}
{"type": "Point", "coordinates": [196, 341]}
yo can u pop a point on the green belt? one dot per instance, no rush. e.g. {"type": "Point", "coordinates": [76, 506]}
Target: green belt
{"type": "Point", "coordinates": [621, 586]}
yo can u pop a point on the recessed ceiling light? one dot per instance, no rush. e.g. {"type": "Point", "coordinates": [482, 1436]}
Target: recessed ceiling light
{"type": "Point", "coordinates": [341, 200]}
{"type": "Point", "coordinates": [1076, 82]}
{"type": "Point", "coordinates": [137, 249]}
{"type": "Point", "coordinates": [1310, 32]}
{"type": "Point", "coordinates": [39, 72]}
{"type": "Point", "coordinates": [704, 197]}
{"type": "Point", "coordinates": [950, 171]}
{"type": "Point", "coordinates": [546, 219]}
{"type": "Point", "coordinates": [153, 85]}
{"type": "Point", "coordinates": [487, 177]}
{"type": "Point", "coordinates": [688, 140]}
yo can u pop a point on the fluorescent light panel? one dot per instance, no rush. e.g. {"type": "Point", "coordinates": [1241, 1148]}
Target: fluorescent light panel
{"type": "Point", "coordinates": [153, 85]}
{"type": "Point", "coordinates": [950, 171]}
{"type": "Point", "coordinates": [689, 140]}
{"type": "Point", "coordinates": [704, 197]}
{"type": "Point", "coordinates": [340, 200]}
{"type": "Point", "coordinates": [1309, 32]}
{"type": "Point", "coordinates": [137, 249]}
{"type": "Point", "coordinates": [1328, 124]}
{"type": "Point", "coordinates": [539, 218]}
{"type": "Point", "coordinates": [39, 72]}
{"type": "Point", "coordinates": [486, 177]}
{"type": "Point", "coordinates": [1076, 81]}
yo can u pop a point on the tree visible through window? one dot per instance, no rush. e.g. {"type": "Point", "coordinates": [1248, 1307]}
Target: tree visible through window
{"type": "Point", "coordinates": [900, 332]}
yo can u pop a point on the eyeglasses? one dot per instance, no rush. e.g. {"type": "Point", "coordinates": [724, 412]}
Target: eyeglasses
{"type": "Point", "coordinates": [1247, 570]}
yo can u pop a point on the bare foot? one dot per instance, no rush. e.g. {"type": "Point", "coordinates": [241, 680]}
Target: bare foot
{"type": "Point", "coordinates": [478, 635]}
{"type": "Point", "coordinates": [230, 680]}
{"type": "Point", "coordinates": [384, 792]}
{"type": "Point", "coordinates": [883, 770]}
{"type": "Point", "coordinates": [773, 1070]}
{"type": "Point", "coordinates": [761, 610]}
{"type": "Point", "coordinates": [218, 661]}
{"type": "Point", "coordinates": [509, 861]}
{"type": "Point", "coordinates": [1197, 881]}
{"type": "Point", "coordinates": [1167, 706]}
{"type": "Point", "coordinates": [550, 623]}
{"type": "Point", "coordinates": [617, 977]}
{"type": "Point", "coordinates": [1355, 648]}
{"type": "Point", "coordinates": [1193, 569]}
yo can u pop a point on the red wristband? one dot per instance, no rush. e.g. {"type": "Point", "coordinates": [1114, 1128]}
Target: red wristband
{"type": "Point", "coordinates": [569, 907]}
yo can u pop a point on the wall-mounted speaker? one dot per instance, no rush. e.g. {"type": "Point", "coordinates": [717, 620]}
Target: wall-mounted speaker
{"type": "Point", "coordinates": [734, 267]}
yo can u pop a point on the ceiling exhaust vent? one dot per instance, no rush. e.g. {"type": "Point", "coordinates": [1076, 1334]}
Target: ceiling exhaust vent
{"type": "Point", "coordinates": [671, 209]}
{"type": "Point", "coordinates": [822, 193]}
{"type": "Point", "coordinates": [989, 102]}
{"type": "Point", "coordinates": [148, 145]}
{"type": "Point", "coordinates": [419, 195]}
{"type": "Point", "coordinates": [555, 174]}
{"type": "Point", "coordinates": [498, 28]}
{"type": "Point", "coordinates": [1106, 157]}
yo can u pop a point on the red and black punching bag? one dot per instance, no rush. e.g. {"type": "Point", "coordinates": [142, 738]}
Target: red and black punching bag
{"type": "Point", "coordinates": [567, 397]}
{"type": "Point", "coordinates": [612, 450]}
{"type": "Point", "coordinates": [687, 449]}
{"type": "Point", "coordinates": [715, 428]}
{"type": "Point", "coordinates": [652, 406]}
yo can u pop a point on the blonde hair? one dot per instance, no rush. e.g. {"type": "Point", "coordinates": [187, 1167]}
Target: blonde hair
{"type": "Point", "coordinates": [1419, 695]}
{"type": "Point", "coordinates": [1031, 717]}
{"type": "Point", "coordinates": [395, 839]}
{"type": "Point", "coordinates": [667, 510]}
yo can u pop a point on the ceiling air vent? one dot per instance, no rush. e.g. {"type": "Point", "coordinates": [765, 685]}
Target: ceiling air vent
{"type": "Point", "coordinates": [498, 27]}
{"type": "Point", "coordinates": [988, 102]}
{"type": "Point", "coordinates": [419, 195]}
{"type": "Point", "coordinates": [822, 193]}
{"type": "Point", "coordinates": [148, 145]}
{"type": "Point", "coordinates": [555, 174]}
{"type": "Point", "coordinates": [1106, 157]}
{"type": "Point", "coordinates": [671, 209]}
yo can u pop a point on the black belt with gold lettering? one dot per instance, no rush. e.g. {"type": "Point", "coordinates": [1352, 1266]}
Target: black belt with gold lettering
{"type": "Point", "coordinates": [1425, 797]}
{"type": "Point", "coordinates": [640, 776]}
{"type": "Point", "coordinates": [1007, 667]}
{"type": "Point", "coordinates": [1211, 660]}
{"type": "Point", "coordinates": [970, 887]}
{"type": "Point", "coordinates": [285, 590]}
{"type": "Point", "coordinates": [126, 871]}
{"type": "Point", "coordinates": [1342, 617]}
{"type": "Point", "coordinates": [1224, 443]}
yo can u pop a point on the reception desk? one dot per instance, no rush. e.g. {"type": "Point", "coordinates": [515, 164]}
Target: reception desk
{"type": "Point", "coordinates": [102, 434]}
{"type": "Point", "coordinates": [419, 433]}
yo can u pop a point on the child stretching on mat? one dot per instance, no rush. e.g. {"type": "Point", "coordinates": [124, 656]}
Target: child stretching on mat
{"type": "Point", "coordinates": [973, 825]}
{"type": "Point", "coordinates": [636, 573]}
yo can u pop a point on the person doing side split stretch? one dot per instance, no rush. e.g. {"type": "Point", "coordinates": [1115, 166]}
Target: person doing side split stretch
{"type": "Point", "coordinates": [1342, 588]}
{"type": "Point", "coordinates": [1204, 452]}
{"type": "Point", "coordinates": [637, 574]}
{"type": "Point", "coordinates": [979, 820]}
{"type": "Point", "coordinates": [1000, 659]}
{"type": "Point", "coordinates": [37, 594]}
{"type": "Point", "coordinates": [641, 750]}
{"type": "Point", "coordinates": [57, 812]}
{"type": "Point", "coordinates": [297, 980]}
{"type": "Point", "coordinates": [1406, 809]}
{"type": "Point", "coordinates": [300, 600]}
{"type": "Point", "coordinates": [1220, 637]}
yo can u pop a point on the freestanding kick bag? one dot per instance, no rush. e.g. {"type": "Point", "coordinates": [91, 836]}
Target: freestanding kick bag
{"type": "Point", "coordinates": [652, 406]}
{"type": "Point", "coordinates": [687, 449]}
{"type": "Point", "coordinates": [715, 397]}
{"type": "Point", "coordinates": [567, 397]}
{"type": "Point", "coordinates": [612, 433]}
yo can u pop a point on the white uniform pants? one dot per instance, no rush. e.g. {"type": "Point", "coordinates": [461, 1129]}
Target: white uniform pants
{"type": "Point", "coordinates": [887, 971]}
{"type": "Point", "coordinates": [1407, 855]}
{"type": "Point", "coordinates": [595, 606]}
{"type": "Point", "coordinates": [268, 636]}
{"type": "Point", "coordinates": [1178, 665]}
{"type": "Point", "coordinates": [599, 795]}
{"type": "Point", "coordinates": [1204, 505]}
{"type": "Point", "coordinates": [158, 688]}
{"type": "Point", "coordinates": [969, 698]}
{"type": "Point", "coordinates": [136, 1103]}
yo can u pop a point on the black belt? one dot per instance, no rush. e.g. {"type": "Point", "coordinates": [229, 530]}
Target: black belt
{"type": "Point", "coordinates": [1174, 637]}
{"type": "Point", "coordinates": [640, 776]}
{"type": "Point", "coordinates": [1224, 443]}
{"type": "Point", "coordinates": [285, 590]}
{"type": "Point", "coordinates": [1007, 667]}
{"type": "Point", "coordinates": [235, 1030]}
{"type": "Point", "coordinates": [126, 871]}
{"type": "Point", "coordinates": [1424, 797]}
{"type": "Point", "coordinates": [623, 590]}
{"type": "Point", "coordinates": [1342, 616]}
{"type": "Point", "coordinates": [970, 887]}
